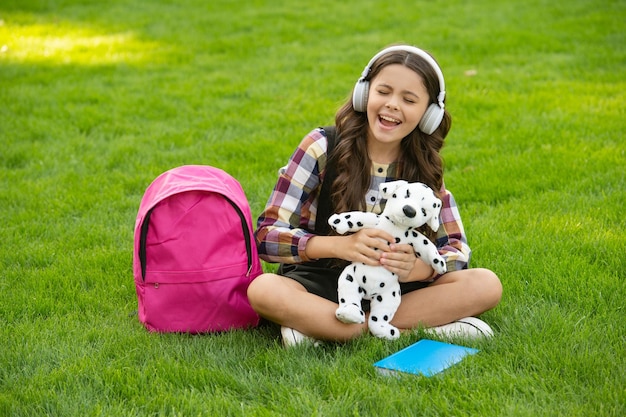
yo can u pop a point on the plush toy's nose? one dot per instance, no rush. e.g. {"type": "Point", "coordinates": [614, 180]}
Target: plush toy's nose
{"type": "Point", "coordinates": [409, 211]}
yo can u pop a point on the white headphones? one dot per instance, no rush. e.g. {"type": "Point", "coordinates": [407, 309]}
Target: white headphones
{"type": "Point", "coordinates": [434, 113]}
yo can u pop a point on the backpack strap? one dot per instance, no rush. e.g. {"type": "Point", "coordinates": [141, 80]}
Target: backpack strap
{"type": "Point", "coordinates": [324, 203]}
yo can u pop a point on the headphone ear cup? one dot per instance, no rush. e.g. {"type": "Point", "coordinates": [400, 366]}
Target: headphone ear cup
{"type": "Point", "coordinates": [359, 95]}
{"type": "Point", "coordinates": [431, 119]}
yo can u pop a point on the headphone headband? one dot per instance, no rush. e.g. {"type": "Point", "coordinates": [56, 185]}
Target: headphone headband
{"type": "Point", "coordinates": [419, 52]}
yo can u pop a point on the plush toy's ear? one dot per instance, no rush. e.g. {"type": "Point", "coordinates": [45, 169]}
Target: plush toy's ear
{"type": "Point", "coordinates": [388, 188]}
{"type": "Point", "coordinates": [433, 222]}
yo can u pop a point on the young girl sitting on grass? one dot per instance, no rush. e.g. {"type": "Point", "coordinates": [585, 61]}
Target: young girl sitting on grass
{"type": "Point", "coordinates": [393, 128]}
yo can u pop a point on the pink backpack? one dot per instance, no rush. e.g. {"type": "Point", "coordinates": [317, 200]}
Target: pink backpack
{"type": "Point", "coordinates": [194, 254]}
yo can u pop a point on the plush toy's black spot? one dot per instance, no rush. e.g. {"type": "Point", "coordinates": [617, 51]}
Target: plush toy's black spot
{"type": "Point", "coordinates": [360, 224]}
{"type": "Point", "coordinates": [355, 304]}
{"type": "Point", "coordinates": [361, 290]}
{"type": "Point", "coordinates": [419, 255]}
{"type": "Point", "coordinates": [393, 294]}
{"type": "Point", "coordinates": [434, 205]}
{"type": "Point", "coordinates": [436, 261]}
{"type": "Point", "coordinates": [349, 278]}
{"type": "Point", "coordinates": [354, 268]}
{"type": "Point", "coordinates": [425, 242]}
{"type": "Point", "coordinates": [343, 300]}
{"type": "Point", "coordinates": [380, 298]}
{"type": "Point", "coordinates": [374, 318]}
{"type": "Point", "coordinates": [424, 212]}
{"type": "Point", "coordinates": [364, 279]}
{"type": "Point", "coordinates": [348, 216]}
{"type": "Point", "coordinates": [415, 234]}
{"type": "Point", "coordinates": [361, 313]}
{"type": "Point", "coordinates": [393, 332]}
{"type": "Point", "coordinates": [386, 318]}
{"type": "Point", "coordinates": [382, 284]}
{"type": "Point", "coordinates": [350, 224]}
{"type": "Point", "coordinates": [408, 193]}
{"type": "Point", "coordinates": [406, 234]}
{"type": "Point", "coordinates": [397, 240]}
{"type": "Point", "coordinates": [337, 221]}
{"type": "Point", "coordinates": [394, 195]}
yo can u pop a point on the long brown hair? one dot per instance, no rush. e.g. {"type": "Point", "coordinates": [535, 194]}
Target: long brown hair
{"type": "Point", "coordinates": [419, 161]}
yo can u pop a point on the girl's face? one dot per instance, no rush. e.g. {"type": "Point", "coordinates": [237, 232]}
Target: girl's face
{"type": "Point", "coordinates": [396, 103]}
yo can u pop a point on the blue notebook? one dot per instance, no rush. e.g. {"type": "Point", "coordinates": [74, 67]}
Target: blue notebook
{"type": "Point", "coordinates": [426, 357]}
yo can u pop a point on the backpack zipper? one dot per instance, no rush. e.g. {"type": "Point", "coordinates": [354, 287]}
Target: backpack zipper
{"type": "Point", "coordinates": [246, 233]}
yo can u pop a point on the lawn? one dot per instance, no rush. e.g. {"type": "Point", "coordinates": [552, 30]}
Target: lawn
{"type": "Point", "coordinates": [98, 98]}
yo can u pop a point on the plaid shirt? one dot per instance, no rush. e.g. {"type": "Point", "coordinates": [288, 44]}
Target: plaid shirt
{"type": "Point", "coordinates": [288, 220]}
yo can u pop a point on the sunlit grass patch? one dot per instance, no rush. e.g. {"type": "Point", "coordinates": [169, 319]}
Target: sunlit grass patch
{"type": "Point", "coordinates": [63, 43]}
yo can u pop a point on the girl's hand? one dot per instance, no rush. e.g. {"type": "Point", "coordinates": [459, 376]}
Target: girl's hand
{"type": "Point", "coordinates": [366, 246]}
{"type": "Point", "coordinates": [401, 260]}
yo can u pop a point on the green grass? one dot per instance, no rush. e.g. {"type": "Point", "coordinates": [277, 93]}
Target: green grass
{"type": "Point", "coordinates": [98, 98]}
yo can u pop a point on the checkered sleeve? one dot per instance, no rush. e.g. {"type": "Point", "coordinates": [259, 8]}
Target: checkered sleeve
{"type": "Point", "coordinates": [288, 219]}
{"type": "Point", "coordinates": [451, 240]}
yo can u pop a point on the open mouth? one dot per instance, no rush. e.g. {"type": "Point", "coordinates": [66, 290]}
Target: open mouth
{"type": "Point", "coordinates": [388, 121]}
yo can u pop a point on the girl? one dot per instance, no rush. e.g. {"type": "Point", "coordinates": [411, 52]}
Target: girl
{"type": "Point", "coordinates": [393, 128]}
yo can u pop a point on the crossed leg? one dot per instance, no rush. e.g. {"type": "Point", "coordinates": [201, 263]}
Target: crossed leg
{"type": "Point", "coordinates": [454, 295]}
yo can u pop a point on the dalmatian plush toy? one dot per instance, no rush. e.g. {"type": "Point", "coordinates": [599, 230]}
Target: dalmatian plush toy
{"type": "Point", "coordinates": [409, 206]}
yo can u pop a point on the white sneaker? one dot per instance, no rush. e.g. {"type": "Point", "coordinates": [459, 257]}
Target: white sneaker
{"type": "Point", "coordinates": [468, 327]}
{"type": "Point", "coordinates": [292, 337]}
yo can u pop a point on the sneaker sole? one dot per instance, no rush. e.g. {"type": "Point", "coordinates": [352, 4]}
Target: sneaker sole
{"type": "Point", "coordinates": [477, 324]}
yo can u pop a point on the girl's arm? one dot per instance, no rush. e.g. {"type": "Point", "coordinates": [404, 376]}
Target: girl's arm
{"type": "Point", "coordinates": [366, 245]}
{"type": "Point", "coordinates": [451, 240]}
{"type": "Point", "coordinates": [285, 225]}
